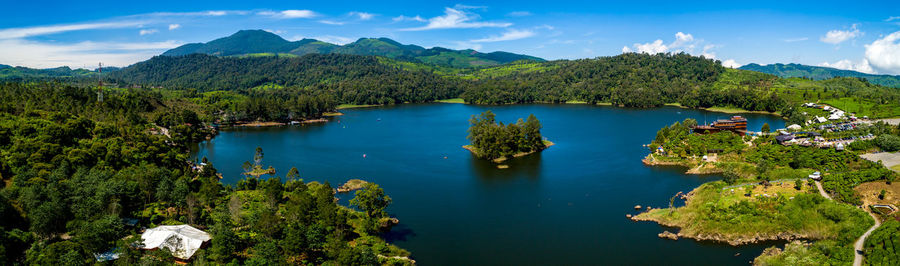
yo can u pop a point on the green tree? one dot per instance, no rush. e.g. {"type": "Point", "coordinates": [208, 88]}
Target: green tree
{"type": "Point", "coordinates": [258, 157]}
{"type": "Point", "coordinates": [372, 200]}
{"type": "Point", "coordinates": [293, 174]}
{"type": "Point", "coordinates": [888, 142]}
{"type": "Point", "coordinates": [765, 128]}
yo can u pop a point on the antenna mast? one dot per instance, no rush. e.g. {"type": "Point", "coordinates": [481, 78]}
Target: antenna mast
{"type": "Point", "coordinates": [100, 82]}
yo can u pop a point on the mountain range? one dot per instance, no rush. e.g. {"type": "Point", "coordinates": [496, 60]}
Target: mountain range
{"type": "Point", "coordinates": [9, 72]}
{"type": "Point", "coordinates": [819, 73]}
{"type": "Point", "coordinates": [260, 42]}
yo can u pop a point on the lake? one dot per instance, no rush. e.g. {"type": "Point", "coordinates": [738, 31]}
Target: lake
{"type": "Point", "coordinates": [566, 205]}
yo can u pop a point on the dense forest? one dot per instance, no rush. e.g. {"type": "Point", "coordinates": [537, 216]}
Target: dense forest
{"type": "Point", "coordinates": [883, 246]}
{"type": "Point", "coordinates": [75, 171]}
{"type": "Point", "coordinates": [492, 139]}
{"type": "Point", "coordinates": [348, 78]}
{"type": "Point", "coordinates": [629, 80]}
{"type": "Point", "coordinates": [632, 80]}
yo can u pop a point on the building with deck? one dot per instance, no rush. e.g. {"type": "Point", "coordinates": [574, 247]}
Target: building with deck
{"type": "Point", "coordinates": [736, 124]}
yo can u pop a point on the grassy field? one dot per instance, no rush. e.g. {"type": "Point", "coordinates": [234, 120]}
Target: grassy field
{"type": "Point", "coordinates": [454, 100]}
{"type": "Point", "coordinates": [350, 106]}
{"type": "Point", "coordinates": [870, 191]}
{"type": "Point", "coordinates": [735, 110]}
{"type": "Point", "coordinates": [865, 108]}
{"type": "Point", "coordinates": [728, 215]}
{"type": "Point", "coordinates": [896, 168]}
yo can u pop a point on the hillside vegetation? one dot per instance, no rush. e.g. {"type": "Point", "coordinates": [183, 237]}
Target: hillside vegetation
{"type": "Point", "coordinates": [263, 42]}
{"type": "Point", "coordinates": [819, 73]}
{"type": "Point", "coordinates": [630, 80]}
{"type": "Point", "coordinates": [74, 171]}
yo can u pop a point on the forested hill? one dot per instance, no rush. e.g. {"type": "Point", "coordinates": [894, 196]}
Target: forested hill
{"type": "Point", "coordinates": [349, 78]}
{"type": "Point", "coordinates": [10, 73]}
{"type": "Point", "coordinates": [819, 73]}
{"type": "Point", "coordinates": [630, 80]}
{"type": "Point", "coordinates": [260, 42]}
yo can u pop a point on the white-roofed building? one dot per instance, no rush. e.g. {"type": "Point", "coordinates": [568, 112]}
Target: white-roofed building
{"type": "Point", "coordinates": [181, 240]}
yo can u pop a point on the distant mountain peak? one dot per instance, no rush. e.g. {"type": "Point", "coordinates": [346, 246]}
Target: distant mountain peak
{"type": "Point", "coordinates": [263, 42]}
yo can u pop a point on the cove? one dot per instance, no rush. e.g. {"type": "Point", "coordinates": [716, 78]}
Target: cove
{"type": "Point", "coordinates": [565, 205]}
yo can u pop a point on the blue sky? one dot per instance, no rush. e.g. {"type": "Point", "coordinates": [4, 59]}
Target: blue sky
{"type": "Point", "coordinates": [858, 35]}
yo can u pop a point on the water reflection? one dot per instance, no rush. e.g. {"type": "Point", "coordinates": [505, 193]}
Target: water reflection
{"type": "Point", "coordinates": [528, 167]}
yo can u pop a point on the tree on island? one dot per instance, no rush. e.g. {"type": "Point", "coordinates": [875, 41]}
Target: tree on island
{"type": "Point", "coordinates": [765, 128]}
{"type": "Point", "coordinates": [256, 169]}
{"type": "Point", "coordinates": [372, 200]}
{"type": "Point", "coordinates": [491, 139]}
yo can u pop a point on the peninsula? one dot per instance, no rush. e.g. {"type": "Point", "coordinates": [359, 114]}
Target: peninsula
{"type": "Point", "coordinates": [771, 187]}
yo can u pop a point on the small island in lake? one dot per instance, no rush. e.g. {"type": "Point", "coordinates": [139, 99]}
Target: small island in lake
{"type": "Point", "coordinates": [497, 142]}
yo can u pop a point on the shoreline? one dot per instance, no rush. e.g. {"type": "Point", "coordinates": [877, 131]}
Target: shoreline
{"type": "Point", "coordinates": [277, 124]}
{"type": "Point", "coordinates": [474, 151]}
{"type": "Point", "coordinates": [722, 238]}
{"type": "Point", "coordinates": [693, 168]}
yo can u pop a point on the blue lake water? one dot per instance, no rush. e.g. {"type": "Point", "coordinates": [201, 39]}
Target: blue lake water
{"type": "Point", "coordinates": [566, 205]}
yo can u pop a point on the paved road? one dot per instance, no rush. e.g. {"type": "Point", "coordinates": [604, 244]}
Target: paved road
{"type": "Point", "coordinates": [822, 191]}
{"type": "Point", "coordinates": [858, 246]}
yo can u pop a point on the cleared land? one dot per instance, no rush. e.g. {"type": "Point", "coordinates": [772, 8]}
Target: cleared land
{"type": "Point", "coordinates": [889, 159]}
{"type": "Point", "coordinates": [454, 100]}
{"type": "Point", "coordinates": [892, 121]}
{"type": "Point", "coordinates": [871, 190]}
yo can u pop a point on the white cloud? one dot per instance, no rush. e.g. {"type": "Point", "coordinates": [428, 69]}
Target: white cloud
{"type": "Point", "coordinates": [707, 51]}
{"type": "Point", "coordinates": [654, 47]}
{"type": "Point", "coordinates": [14, 33]}
{"type": "Point", "coordinates": [362, 15]}
{"type": "Point", "coordinates": [43, 55]}
{"type": "Point", "coordinates": [545, 27]}
{"type": "Point", "coordinates": [889, 19]}
{"type": "Point", "coordinates": [839, 36]}
{"type": "Point", "coordinates": [796, 39]}
{"type": "Point", "coordinates": [326, 38]}
{"type": "Point", "coordinates": [884, 53]}
{"type": "Point", "coordinates": [331, 22]}
{"type": "Point", "coordinates": [458, 18]}
{"type": "Point", "coordinates": [862, 66]}
{"type": "Point", "coordinates": [519, 14]}
{"type": "Point", "coordinates": [174, 26]}
{"type": "Point", "coordinates": [684, 42]}
{"type": "Point", "coordinates": [509, 35]}
{"type": "Point", "coordinates": [210, 13]}
{"type": "Point", "coordinates": [467, 45]}
{"type": "Point", "coordinates": [146, 31]}
{"type": "Point", "coordinates": [730, 63]}
{"type": "Point", "coordinates": [405, 18]}
{"type": "Point", "coordinates": [291, 13]}
{"type": "Point", "coordinates": [275, 31]}
{"type": "Point", "coordinates": [682, 39]}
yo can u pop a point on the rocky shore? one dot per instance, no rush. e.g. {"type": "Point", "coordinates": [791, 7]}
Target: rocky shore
{"type": "Point", "coordinates": [721, 238]}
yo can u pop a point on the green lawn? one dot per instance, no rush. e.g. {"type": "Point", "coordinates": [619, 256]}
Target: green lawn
{"type": "Point", "coordinates": [454, 100]}
{"type": "Point", "coordinates": [349, 106]}
{"type": "Point", "coordinates": [864, 108]}
{"type": "Point", "coordinates": [730, 215]}
{"type": "Point", "coordinates": [734, 110]}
